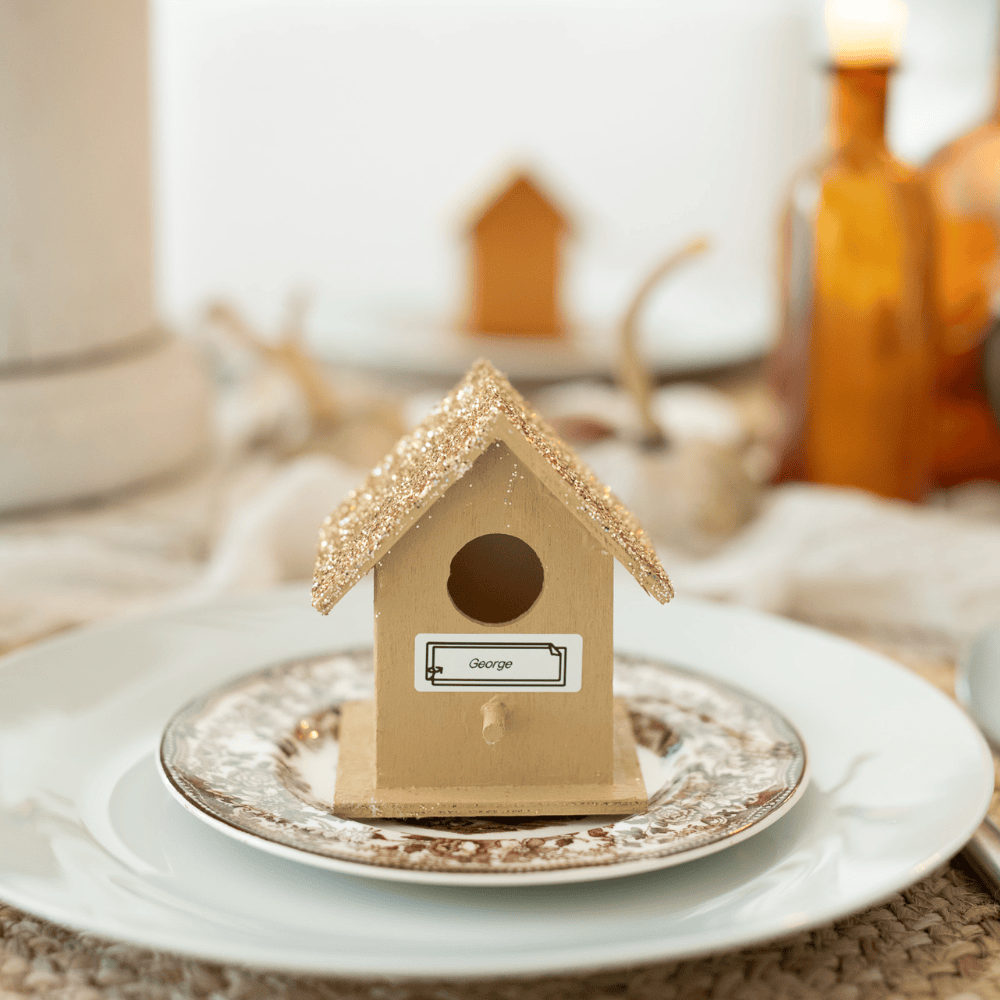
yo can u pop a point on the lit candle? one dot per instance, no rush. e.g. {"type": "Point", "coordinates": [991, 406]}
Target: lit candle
{"type": "Point", "coordinates": [865, 32]}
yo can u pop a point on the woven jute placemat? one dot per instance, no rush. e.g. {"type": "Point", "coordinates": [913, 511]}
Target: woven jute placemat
{"type": "Point", "coordinates": [939, 938]}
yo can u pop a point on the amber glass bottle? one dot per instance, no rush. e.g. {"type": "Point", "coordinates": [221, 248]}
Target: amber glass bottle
{"type": "Point", "coordinates": [853, 365]}
{"type": "Point", "coordinates": [964, 182]}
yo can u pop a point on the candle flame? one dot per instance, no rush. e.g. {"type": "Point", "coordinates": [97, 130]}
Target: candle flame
{"type": "Point", "coordinates": [865, 32]}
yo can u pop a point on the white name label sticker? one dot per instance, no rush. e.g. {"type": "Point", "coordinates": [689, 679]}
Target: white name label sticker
{"type": "Point", "coordinates": [509, 662]}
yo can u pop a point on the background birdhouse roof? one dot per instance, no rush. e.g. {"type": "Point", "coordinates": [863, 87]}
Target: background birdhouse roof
{"type": "Point", "coordinates": [426, 462]}
{"type": "Point", "coordinates": [521, 194]}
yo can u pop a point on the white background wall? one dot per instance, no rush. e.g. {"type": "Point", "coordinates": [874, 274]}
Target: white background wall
{"type": "Point", "coordinates": [340, 145]}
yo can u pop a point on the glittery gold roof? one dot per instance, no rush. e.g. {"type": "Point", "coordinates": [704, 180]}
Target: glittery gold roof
{"type": "Point", "coordinates": [437, 453]}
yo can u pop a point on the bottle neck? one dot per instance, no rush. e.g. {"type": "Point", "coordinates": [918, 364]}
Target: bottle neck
{"type": "Point", "coordinates": [858, 102]}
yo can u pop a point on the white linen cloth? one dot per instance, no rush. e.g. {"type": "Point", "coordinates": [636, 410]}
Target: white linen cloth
{"type": "Point", "coordinates": [927, 577]}
{"type": "Point", "coordinates": [220, 532]}
{"type": "Point", "coordinates": [922, 577]}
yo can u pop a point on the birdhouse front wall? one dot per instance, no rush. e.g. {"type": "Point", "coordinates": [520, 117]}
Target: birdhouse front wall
{"type": "Point", "coordinates": [515, 283]}
{"type": "Point", "coordinates": [525, 542]}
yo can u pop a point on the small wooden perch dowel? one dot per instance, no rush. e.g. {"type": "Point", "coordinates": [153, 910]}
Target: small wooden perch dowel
{"type": "Point", "coordinates": [494, 720]}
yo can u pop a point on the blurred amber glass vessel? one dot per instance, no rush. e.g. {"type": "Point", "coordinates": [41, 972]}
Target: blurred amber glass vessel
{"type": "Point", "coordinates": [964, 181]}
{"type": "Point", "coordinates": [853, 365]}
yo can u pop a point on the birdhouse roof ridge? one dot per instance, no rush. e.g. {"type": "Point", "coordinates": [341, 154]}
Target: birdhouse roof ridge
{"type": "Point", "coordinates": [482, 409]}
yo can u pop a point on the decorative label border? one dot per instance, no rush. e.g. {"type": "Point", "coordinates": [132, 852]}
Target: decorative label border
{"type": "Point", "coordinates": [494, 656]}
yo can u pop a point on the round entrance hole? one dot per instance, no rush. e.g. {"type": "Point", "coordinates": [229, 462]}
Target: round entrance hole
{"type": "Point", "coordinates": [495, 579]}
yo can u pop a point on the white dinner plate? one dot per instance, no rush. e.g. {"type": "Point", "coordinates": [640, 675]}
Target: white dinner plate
{"type": "Point", "coordinates": [977, 681]}
{"type": "Point", "coordinates": [691, 323]}
{"type": "Point", "coordinates": [89, 837]}
{"type": "Point", "coordinates": [257, 758]}
{"type": "Point", "coordinates": [435, 347]}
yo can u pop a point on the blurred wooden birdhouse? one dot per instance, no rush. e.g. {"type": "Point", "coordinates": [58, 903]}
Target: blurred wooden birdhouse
{"type": "Point", "coordinates": [492, 547]}
{"type": "Point", "coordinates": [516, 246]}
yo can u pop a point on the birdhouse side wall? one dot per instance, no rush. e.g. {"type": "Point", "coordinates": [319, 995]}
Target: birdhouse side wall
{"type": "Point", "coordinates": [436, 738]}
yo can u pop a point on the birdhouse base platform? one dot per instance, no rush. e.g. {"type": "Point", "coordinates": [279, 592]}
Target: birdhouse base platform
{"type": "Point", "coordinates": [356, 796]}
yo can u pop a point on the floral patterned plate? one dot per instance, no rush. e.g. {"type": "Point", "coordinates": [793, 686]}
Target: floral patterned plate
{"type": "Point", "coordinates": [257, 760]}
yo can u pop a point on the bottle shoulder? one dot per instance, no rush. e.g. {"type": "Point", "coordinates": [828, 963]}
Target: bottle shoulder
{"type": "Point", "coordinates": [963, 177]}
{"type": "Point", "coordinates": [846, 162]}
{"type": "Point", "coordinates": [836, 178]}
{"type": "Point", "coordinates": [984, 139]}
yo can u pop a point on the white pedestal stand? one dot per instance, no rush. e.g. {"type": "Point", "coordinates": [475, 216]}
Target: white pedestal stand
{"type": "Point", "coordinates": [89, 402]}
{"type": "Point", "coordinates": [87, 427]}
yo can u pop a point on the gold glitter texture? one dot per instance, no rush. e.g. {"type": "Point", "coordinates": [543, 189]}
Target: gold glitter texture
{"type": "Point", "coordinates": [481, 409]}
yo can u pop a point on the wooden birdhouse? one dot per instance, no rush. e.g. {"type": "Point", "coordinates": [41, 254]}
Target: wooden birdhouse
{"type": "Point", "coordinates": [516, 245]}
{"type": "Point", "coordinates": [493, 548]}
